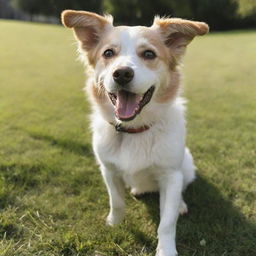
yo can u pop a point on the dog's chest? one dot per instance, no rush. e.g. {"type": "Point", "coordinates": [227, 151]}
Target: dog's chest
{"type": "Point", "coordinates": [130, 152]}
{"type": "Point", "coordinates": [135, 152]}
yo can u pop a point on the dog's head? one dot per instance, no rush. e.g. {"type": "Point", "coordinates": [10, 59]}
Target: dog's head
{"type": "Point", "coordinates": [133, 65]}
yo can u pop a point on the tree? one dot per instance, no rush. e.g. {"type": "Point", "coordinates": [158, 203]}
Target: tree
{"type": "Point", "coordinates": [219, 14]}
{"type": "Point", "coordinates": [30, 7]}
{"type": "Point", "coordinates": [54, 7]}
{"type": "Point", "coordinates": [132, 12]}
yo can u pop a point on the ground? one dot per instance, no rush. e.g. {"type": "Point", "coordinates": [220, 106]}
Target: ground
{"type": "Point", "coordinates": [52, 198]}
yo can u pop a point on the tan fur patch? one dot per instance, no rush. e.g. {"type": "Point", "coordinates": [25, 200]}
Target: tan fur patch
{"type": "Point", "coordinates": [163, 53]}
{"type": "Point", "coordinates": [170, 91]}
{"type": "Point", "coordinates": [97, 94]}
{"type": "Point", "coordinates": [88, 27]}
{"type": "Point", "coordinates": [178, 33]}
{"type": "Point", "coordinates": [73, 19]}
{"type": "Point", "coordinates": [95, 54]}
{"type": "Point", "coordinates": [186, 27]}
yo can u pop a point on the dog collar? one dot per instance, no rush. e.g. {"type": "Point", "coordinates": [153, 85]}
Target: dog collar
{"type": "Point", "coordinates": [120, 128]}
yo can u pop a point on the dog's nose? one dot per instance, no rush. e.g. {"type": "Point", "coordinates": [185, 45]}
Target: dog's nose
{"type": "Point", "coordinates": [123, 75]}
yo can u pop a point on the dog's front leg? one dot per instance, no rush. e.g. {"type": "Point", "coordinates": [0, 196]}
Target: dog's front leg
{"type": "Point", "coordinates": [116, 192]}
{"type": "Point", "coordinates": [170, 198]}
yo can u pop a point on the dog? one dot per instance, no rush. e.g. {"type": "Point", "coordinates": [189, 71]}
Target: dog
{"type": "Point", "coordinates": [138, 123]}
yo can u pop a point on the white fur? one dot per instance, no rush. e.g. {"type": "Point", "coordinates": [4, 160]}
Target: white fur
{"type": "Point", "coordinates": [154, 160]}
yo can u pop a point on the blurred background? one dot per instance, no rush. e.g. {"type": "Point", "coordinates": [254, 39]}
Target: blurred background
{"type": "Point", "coordinates": [219, 14]}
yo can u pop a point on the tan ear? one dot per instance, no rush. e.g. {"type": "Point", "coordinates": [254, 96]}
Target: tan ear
{"type": "Point", "coordinates": [88, 26]}
{"type": "Point", "coordinates": [178, 33]}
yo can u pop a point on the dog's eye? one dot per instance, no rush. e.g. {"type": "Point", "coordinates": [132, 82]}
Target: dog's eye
{"type": "Point", "coordinates": [149, 55]}
{"type": "Point", "coordinates": [108, 53]}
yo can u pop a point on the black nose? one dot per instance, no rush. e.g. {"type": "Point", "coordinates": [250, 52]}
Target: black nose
{"type": "Point", "coordinates": [123, 75]}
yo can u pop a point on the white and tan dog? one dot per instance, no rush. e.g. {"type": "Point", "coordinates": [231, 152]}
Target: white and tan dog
{"type": "Point", "coordinates": [138, 117]}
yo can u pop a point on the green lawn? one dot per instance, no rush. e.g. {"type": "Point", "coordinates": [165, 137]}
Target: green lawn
{"type": "Point", "coordinates": [52, 198]}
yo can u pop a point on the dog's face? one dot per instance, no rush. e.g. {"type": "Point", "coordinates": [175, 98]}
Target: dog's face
{"type": "Point", "coordinates": [130, 65]}
{"type": "Point", "coordinates": [133, 65]}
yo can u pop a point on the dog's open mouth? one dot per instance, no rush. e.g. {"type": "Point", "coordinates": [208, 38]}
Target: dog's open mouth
{"type": "Point", "coordinates": [128, 105]}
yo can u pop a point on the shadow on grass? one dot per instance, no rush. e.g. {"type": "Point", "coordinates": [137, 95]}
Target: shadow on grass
{"type": "Point", "coordinates": [212, 220]}
{"type": "Point", "coordinates": [16, 178]}
{"type": "Point", "coordinates": [65, 144]}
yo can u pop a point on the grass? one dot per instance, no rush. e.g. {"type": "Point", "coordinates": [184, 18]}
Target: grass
{"type": "Point", "coordinates": [52, 198]}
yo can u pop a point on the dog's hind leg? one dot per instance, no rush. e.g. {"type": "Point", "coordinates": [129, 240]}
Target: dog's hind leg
{"type": "Point", "coordinates": [188, 169]}
{"type": "Point", "coordinates": [183, 209]}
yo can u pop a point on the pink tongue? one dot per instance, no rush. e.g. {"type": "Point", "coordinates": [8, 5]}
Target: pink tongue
{"type": "Point", "coordinates": [126, 104]}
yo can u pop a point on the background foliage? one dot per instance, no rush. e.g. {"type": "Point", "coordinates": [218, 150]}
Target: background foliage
{"type": "Point", "coordinates": [219, 14]}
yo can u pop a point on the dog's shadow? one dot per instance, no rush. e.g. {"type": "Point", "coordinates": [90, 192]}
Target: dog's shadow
{"type": "Point", "coordinates": [212, 227]}
{"type": "Point", "coordinates": [64, 144]}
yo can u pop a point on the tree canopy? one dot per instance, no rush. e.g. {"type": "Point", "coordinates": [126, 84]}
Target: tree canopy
{"type": "Point", "coordinates": [219, 14]}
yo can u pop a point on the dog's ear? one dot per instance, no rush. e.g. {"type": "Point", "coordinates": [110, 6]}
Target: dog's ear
{"type": "Point", "coordinates": [88, 26]}
{"type": "Point", "coordinates": [178, 33]}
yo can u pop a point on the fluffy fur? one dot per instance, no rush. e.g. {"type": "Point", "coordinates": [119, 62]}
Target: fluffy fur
{"type": "Point", "coordinates": [156, 159]}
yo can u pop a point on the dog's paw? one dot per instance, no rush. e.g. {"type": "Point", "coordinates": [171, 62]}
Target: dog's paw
{"type": "Point", "coordinates": [166, 247]}
{"type": "Point", "coordinates": [183, 209]}
{"type": "Point", "coordinates": [161, 252]}
{"type": "Point", "coordinates": [114, 218]}
{"type": "Point", "coordinates": [136, 192]}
